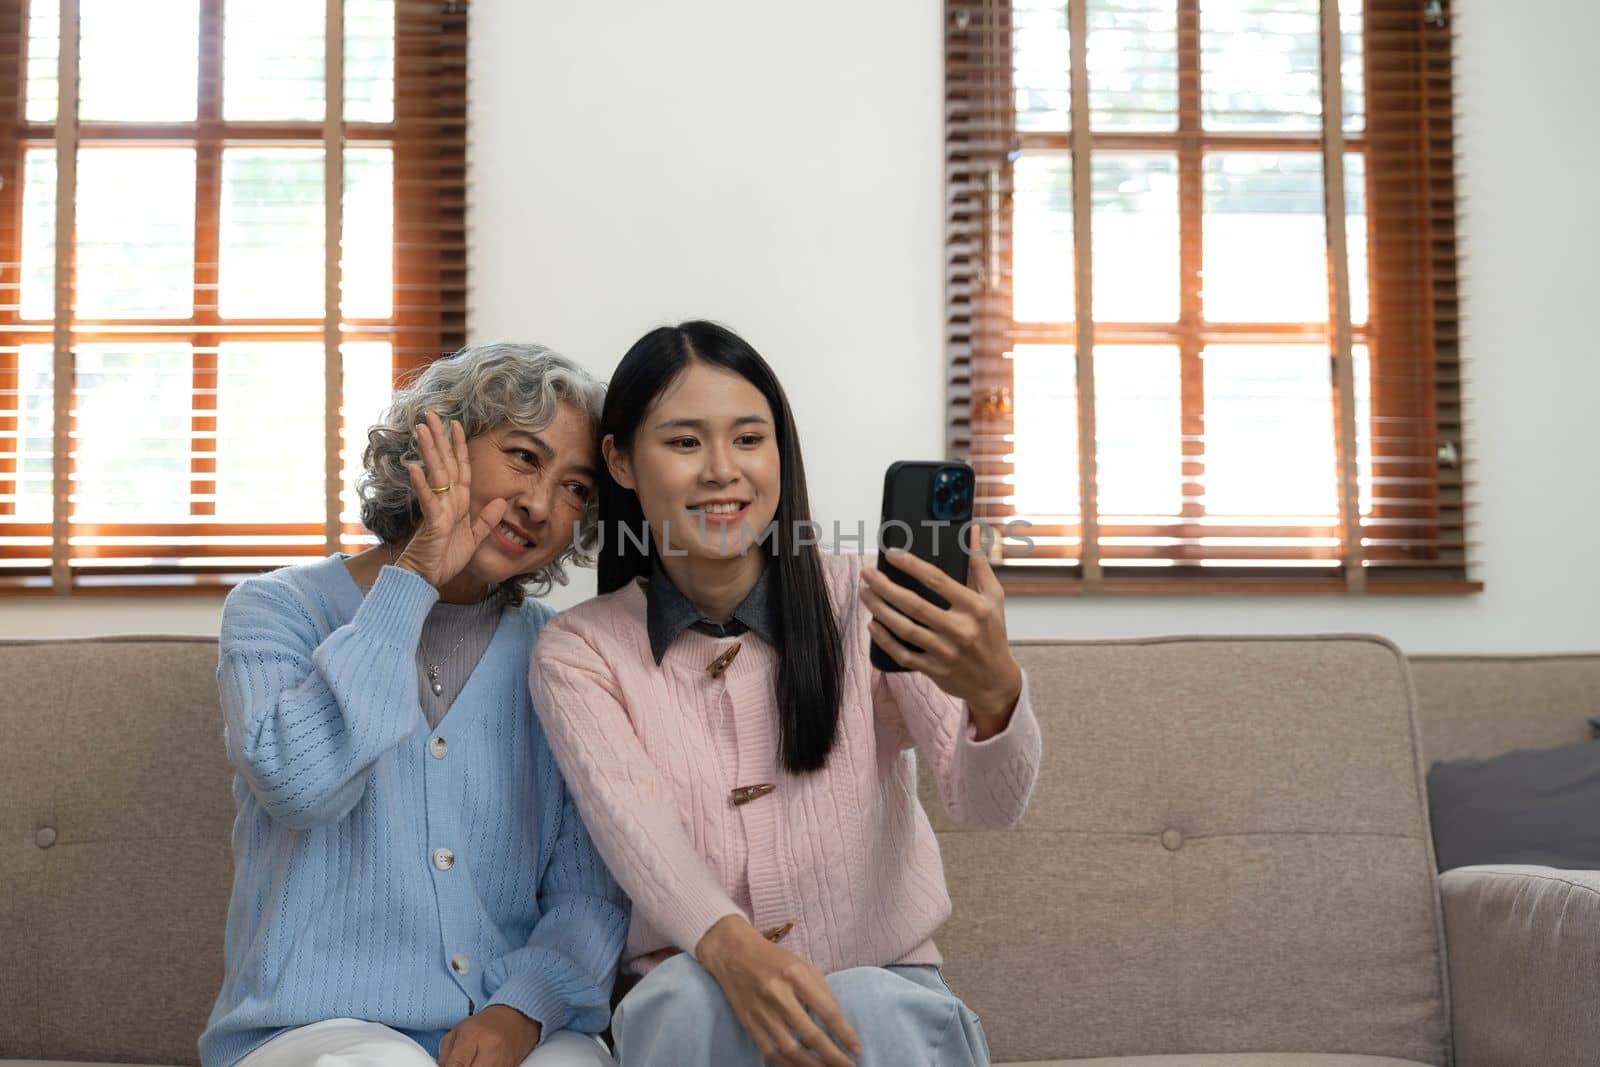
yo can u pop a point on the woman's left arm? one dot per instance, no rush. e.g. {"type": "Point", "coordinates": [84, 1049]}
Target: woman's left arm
{"type": "Point", "coordinates": [964, 699]}
{"type": "Point", "coordinates": [562, 977]}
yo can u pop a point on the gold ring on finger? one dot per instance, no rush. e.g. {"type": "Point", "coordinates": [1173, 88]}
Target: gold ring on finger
{"type": "Point", "coordinates": [440, 490]}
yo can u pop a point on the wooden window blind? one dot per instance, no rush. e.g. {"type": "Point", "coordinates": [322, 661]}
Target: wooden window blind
{"type": "Point", "coordinates": [221, 242]}
{"type": "Point", "coordinates": [1201, 293]}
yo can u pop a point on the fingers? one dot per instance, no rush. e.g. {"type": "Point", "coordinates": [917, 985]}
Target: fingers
{"type": "Point", "coordinates": [488, 519]}
{"type": "Point", "coordinates": [444, 446]}
{"type": "Point", "coordinates": [826, 1007]}
{"type": "Point", "coordinates": [435, 446]}
{"type": "Point", "coordinates": [427, 501]}
{"type": "Point", "coordinates": [905, 628]}
{"type": "Point", "coordinates": [897, 651]}
{"type": "Point", "coordinates": [793, 1037]}
{"type": "Point", "coordinates": [973, 612]}
{"type": "Point", "coordinates": [932, 577]}
{"type": "Point", "coordinates": [764, 1023]}
{"type": "Point", "coordinates": [457, 1051]}
{"type": "Point", "coordinates": [453, 1051]}
{"type": "Point", "coordinates": [814, 1046]}
{"type": "Point", "coordinates": [789, 1037]}
{"type": "Point", "coordinates": [783, 1048]}
{"type": "Point", "coordinates": [432, 462]}
{"type": "Point", "coordinates": [458, 437]}
{"type": "Point", "coordinates": [770, 991]}
{"type": "Point", "coordinates": [980, 576]}
{"type": "Point", "coordinates": [902, 599]}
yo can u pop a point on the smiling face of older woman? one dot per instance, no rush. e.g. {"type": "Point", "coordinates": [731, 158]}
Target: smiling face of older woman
{"type": "Point", "coordinates": [519, 420]}
{"type": "Point", "coordinates": [546, 477]}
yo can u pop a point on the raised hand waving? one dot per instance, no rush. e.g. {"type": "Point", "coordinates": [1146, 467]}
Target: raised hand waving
{"type": "Point", "coordinates": [449, 533]}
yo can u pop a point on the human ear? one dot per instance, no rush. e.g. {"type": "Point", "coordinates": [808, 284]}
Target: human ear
{"type": "Point", "coordinates": [617, 462]}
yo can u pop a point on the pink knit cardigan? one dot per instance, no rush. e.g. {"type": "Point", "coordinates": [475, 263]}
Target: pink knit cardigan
{"type": "Point", "coordinates": [845, 854]}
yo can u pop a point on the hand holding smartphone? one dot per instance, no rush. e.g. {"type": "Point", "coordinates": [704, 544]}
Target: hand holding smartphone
{"type": "Point", "coordinates": [927, 506]}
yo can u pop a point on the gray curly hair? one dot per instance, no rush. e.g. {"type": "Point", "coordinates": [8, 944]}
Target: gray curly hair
{"type": "Point", "coordinates": [481, 387]}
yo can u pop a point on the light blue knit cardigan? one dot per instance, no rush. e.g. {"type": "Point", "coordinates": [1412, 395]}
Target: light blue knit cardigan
{"type": "Point", "coordinates": [382, 870]}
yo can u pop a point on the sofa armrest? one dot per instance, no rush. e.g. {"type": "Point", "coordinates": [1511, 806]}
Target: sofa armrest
{"type": "Point", "coordinates": [1524, 950]}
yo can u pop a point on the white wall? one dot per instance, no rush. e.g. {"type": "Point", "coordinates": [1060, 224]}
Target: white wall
{"type": "Point", "coordinates": [778, 167]}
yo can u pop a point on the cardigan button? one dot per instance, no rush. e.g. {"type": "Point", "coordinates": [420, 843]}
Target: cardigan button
{"type": "Point", "coordinates": [438, 748]}
{"type": "Point", "coordinates": [720, 664]}
{"type": "Point", "coordinates": [746, 793]}
{"type": "Point", "coordinates": [45, 836]}
{"type": "Point", "coordinates": [460, 964]}
{"type": "Point", "coordinates": [444, 859]}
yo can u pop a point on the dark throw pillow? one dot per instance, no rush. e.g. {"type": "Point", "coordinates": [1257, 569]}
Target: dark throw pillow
{"type": "Point", "coordinates": [1540, 808]}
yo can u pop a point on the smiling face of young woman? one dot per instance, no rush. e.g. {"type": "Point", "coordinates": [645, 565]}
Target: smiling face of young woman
{"type": "Point", "coordinates": [704, 463]}
{"type": "Point", "coordinates": [546, 477]}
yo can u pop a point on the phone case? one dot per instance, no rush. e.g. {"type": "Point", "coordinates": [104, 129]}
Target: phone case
{"type": "Point", "coordinates": [909, 521]}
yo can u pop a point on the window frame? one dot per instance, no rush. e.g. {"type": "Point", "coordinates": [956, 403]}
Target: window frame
{"type": "Point", "coordinates": [427, 136]}
{"type": "Point", "coordinates": [1411, 543]}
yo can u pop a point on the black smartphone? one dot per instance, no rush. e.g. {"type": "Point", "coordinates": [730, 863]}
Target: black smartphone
{"type": "Point", "coordinates": [927, 506]}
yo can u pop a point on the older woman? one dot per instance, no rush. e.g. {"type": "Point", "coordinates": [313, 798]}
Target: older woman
{"type": "Point", "coordinates": [412, 881]}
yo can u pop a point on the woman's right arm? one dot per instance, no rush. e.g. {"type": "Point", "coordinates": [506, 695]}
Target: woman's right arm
{"type": "Point", "coordinates": [307, 716]}
{"type": "Point", "coordinates": [305, 719]}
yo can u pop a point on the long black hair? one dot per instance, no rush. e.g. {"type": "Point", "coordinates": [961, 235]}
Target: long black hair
{"type": "Point", "coordinates": [810, 654]}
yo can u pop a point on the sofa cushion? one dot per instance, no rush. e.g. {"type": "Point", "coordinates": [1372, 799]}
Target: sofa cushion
{"type": "Point", "coordinates": [1524, 964]}
{"type": "Point", "coordinates": [115, 865]}
{"type": "Point", "coordinates": [1535, 808]}
{"type": "Point", "coordinates": [1227, 850]}
{"type": "Point", "coordinates": [1472, 707]}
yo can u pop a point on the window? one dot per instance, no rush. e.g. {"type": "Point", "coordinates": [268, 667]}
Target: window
{"type": "Point", "coordinates": [187, 362]}
{"type": "Point", "coordinates": [1201, 303]}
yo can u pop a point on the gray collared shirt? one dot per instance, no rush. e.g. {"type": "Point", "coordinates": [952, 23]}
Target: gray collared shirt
{"type": "Point", "coordinates": [668, 613]}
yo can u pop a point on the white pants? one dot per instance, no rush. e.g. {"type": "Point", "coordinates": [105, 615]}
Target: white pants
{"type": "Point", "coordinates": [355, 1043]}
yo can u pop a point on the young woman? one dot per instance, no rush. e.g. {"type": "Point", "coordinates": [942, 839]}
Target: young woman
{"type": "Point", "coordinates": [745, 772]}
{"type": "Point", "coordinates": [412, 882]}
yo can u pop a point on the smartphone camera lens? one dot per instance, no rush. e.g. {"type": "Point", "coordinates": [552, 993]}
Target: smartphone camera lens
{"type": "Point", "coordinates": [952, 493]}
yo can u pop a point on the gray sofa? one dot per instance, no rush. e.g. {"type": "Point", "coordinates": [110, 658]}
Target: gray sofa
{"type": "Point", "coordinates": [1227, 860]}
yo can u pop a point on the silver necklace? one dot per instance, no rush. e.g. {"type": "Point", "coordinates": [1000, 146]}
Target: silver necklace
{"type": "Point", "coordinates": [433, 668]}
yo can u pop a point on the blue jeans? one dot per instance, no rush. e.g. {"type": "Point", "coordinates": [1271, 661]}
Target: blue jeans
{"type": "Point", "coordinates": [677, 1016]}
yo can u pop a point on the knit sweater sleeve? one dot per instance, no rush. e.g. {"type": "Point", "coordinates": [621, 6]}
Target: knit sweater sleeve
{"type": "Point", "coordinates": [628, 807]}
{"type": "Point", "coordinates": [983, 784]}
{"type": "Point", "coordinates": [306, 715]}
